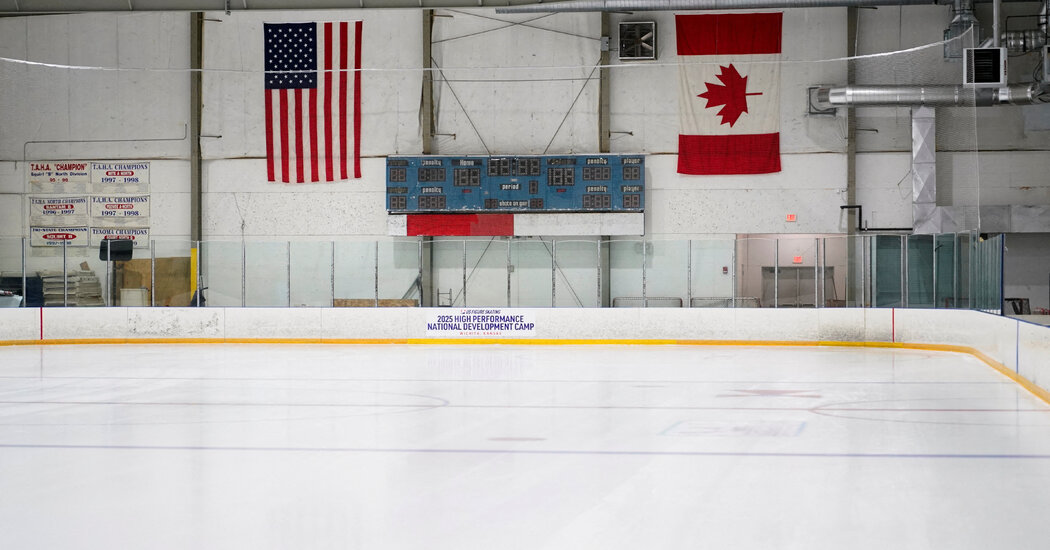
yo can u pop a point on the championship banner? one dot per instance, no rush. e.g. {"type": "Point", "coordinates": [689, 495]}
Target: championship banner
{"type": "Point", "coordinates": [139, 235]}
{"type": "Point", "coordinates": [127, 210]}
{"type": "Point", "coordinates": [52, 211]}
{"type": "Point", "coordinates": [480, 323]}
{"type": "Point", "coordinates": [55, 236]}
{"type": "Point", "coordinates": [119, 177]}
{"type": "Point", "coordinates": [59, 177]}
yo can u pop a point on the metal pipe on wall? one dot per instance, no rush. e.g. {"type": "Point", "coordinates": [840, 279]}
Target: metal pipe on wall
{"type": "Point", "coordinates": [934, 96]}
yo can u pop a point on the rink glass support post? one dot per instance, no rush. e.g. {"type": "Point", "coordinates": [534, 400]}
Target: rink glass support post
{"type": "Point", "coordinates": [419, 276]}
{"type": "Point", "coordinates": [510, 269]}
{"type": "Point", "coordinates": [955, 270]}
{"type": "Point", "coordinates": [645, 300]}
{"type": "Point", "coordinates": [933, 244]}
{"type": "Point", "coordinates": [109, 274]}
{"type": "Point", "coordinates": [776, 273]}
{"type": "Point", "coordinates": [689, 273]}
{"type": "Point", "coordinates": [376, 273]}
{"type": "Point", "coordinates": [554, 271]}
{"type": "Point", "coordinates": [65, 277]}
{"type": "Point", "coordinates": [25, 298]}
{"type": "Point", "coordinates": [152, 273]}
{"type": "Point", "coordinates": [244, 274]}
{"type": "Point", "coordinates": [598, 273]}
{"type": "Point", "coordinates": [904, 271]}
{"type": "Point", "coordinates": [733, 280]}
{"type": "Point", "coordinates": [816, 272]}
{"type": "Point", "coordinates": [197, 252]}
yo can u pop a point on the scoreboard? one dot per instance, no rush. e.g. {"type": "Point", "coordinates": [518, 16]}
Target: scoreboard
{"type": "Point", "coordinates": [549, 183]}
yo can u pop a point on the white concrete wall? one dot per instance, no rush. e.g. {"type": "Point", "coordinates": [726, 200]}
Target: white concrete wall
{"type": "Point", "coordinates": [1026, 268]}
{"type": "Point", "coordinates": [987, 156]}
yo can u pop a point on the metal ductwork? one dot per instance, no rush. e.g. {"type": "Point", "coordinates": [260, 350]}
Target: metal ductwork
{"type": "Point", "coordinates": [1018, 42]}
{"type": "Point", "coordinates": [924, 170]}
{"type": "Point", "coordinates": [963, 21]}
{"type": "Point", "coordinates": [928, 218]}
{"type": "Point", "coordinates": [934, 96]}
{"type": "Point", "coordinates": [666, 5]}
{"type": "Point", "coordinates": [671, 5]}
{"type": "Point", "coordinates": [30, 7]}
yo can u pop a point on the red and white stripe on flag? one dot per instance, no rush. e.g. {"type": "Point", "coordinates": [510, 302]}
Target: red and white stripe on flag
{"type": "Point", "coordinates": [313, 132]}
{"type": "Point", "coordinates": [729, 93]}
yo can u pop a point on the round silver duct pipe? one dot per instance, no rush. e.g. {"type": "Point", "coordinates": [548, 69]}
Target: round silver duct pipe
{"type": "Point", "coordinates": [663, 5]}
{"type": "Point", "coordinates": [668, 5]}
{"type": "Point", "coordinates": [934, 96]}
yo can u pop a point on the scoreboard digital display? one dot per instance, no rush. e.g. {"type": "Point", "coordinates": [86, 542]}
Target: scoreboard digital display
{"type": "Point", "coordinates": [550, 183]}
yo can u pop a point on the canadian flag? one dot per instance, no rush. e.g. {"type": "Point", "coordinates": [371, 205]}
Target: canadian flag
{"type": "Point", "coordinates": [729, 93]}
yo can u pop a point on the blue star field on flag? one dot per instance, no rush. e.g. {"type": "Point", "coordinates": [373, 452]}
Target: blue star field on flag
{"type": "Point", "coordinates": [291, 56]}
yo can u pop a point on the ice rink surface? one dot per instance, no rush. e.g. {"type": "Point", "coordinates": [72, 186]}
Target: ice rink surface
{"type": "Point", "coordinates": [516, 447]}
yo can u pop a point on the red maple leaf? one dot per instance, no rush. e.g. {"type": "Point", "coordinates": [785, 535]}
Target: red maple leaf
{"type": "Point", "coordinates": [731, 95]}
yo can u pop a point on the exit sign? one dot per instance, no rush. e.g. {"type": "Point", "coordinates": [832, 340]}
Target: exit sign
{"type": "Point", "coordinates": [796, 260]}
{"type": "Point", "coordinates": [790, 217]}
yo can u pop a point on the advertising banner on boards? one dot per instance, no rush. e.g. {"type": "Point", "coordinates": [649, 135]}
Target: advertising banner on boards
{"type": "Point", "coordinates": [481, 323]}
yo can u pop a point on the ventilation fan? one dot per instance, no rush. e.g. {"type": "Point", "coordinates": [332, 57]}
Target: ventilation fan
{"type": "Point", "coordinates": [984, 67]}
{"type": "Point", "coordinates": [637, 40]}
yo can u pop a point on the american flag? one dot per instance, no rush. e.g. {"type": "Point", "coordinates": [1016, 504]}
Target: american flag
{"type": "Point", "coordinates": [313, 94]}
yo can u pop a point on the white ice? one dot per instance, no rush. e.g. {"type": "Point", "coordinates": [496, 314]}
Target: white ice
{"type": "Point", "coordinates": [516, 447]}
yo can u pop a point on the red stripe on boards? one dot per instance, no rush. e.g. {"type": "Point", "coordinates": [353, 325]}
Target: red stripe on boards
{"type": "Point", "coordinates": [344, 30]}
{"type": "Point", "coordinates": [328, 166]}
{"type": "Point", "coordinates": [300, 160]}
{"type": "Point", "coordinates": [269, 136]}
{"type": "Point", "coordinates": [459, 225]}
{"type": "Point", "coordinates": [285, 144]}
{"type": "Point", "coordinates": [728, 33]}
{"type": "Point", "coordinates": [315, 174]}
{"type": "Point", "coordinates": [729, 154]}
{"type": "Point", "coordinates": [357, 100]}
